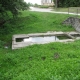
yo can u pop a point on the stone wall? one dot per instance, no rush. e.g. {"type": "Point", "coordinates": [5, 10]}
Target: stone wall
{"type": "Point", "coordinates": [75, 22]}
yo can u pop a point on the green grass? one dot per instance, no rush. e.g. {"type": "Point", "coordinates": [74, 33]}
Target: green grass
{"type": "Point", "coordinates": [34, 22]}
{"type": "Point", "coordinates": [53, 61]}
{"type": "Point", "coordinates": [61, 9]}
{"type": "Point", "coordinates": [44, 6]}
{"type": "Point", "coordinates": [71, 10]}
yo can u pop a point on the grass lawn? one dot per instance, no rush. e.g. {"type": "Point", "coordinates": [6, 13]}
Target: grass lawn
{"type": "Point", "coordinates": [70, 9]}
{"type": "Point", "coordinates": [61, 9]}
{"type": "Point", "coordinates": [53, 61]}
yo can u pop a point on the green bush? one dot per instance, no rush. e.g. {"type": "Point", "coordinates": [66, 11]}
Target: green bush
{"type": "Point", "coordinates": [43, 6]}
{"type": "Point", "coordinates": [68, 3]}
{"type": "Point", "coordinates": [2, 44]}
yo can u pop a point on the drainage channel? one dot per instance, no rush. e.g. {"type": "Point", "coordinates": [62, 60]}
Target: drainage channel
{"type": "Point", "coordinates": [43, 39]}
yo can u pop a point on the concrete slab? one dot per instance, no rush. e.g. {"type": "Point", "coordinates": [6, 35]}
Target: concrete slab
{"type": "Point", "coordinates": [21, 43]}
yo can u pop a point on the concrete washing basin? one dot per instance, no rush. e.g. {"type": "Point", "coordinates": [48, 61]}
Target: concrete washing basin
{"type": "Point", "coordinates": [23, 40]}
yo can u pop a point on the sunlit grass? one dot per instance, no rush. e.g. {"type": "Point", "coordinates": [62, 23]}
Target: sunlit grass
{"type": "Point", "coordinates": [53, 61]}
{"type": "Point", "coordinates": [49, 61]}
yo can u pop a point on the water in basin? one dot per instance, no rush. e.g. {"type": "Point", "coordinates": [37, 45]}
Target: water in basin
{"type": "Point", "coordinates": [41, 39]}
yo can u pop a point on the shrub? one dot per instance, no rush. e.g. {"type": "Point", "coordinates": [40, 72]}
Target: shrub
{"type": "Point", "coordinates": [2, 44]}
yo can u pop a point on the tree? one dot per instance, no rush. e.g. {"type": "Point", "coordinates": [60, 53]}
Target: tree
{"type": "Point", "coordinates": [56, 5]}
{"type": "Point", "coordinates": [68, 3]}
{"type": "Point", "coordinates": [13, 6]}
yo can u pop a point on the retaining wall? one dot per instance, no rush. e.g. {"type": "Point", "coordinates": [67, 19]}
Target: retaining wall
{"type": "Point", "coordinates": [75, 22]}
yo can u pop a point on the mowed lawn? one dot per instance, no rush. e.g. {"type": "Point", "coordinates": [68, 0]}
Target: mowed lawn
{"type": "Point", "coordinates": [53, 61]}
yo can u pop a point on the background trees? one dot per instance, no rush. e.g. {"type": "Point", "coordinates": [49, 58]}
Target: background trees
{"type": "Point", "coordinates": [12, 6]}
{"type": "Point", "coordinates": [67, 3]}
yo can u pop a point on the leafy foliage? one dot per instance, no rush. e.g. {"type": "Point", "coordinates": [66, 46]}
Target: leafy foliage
{"type": "Point", "coordinates": [68, 3]}
{"type": "Point", "coordinates": [13, 5]}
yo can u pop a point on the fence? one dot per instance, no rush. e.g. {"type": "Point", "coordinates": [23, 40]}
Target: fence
{"type": "Point", "coordinates": [74, 10]}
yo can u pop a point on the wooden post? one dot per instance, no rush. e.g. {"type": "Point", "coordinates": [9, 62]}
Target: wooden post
{"type": "Point", "coordinates": [56, 4]}
{"type": "Point", "coordinates": [77, 12]}
{"type": "Point", "coordinates": [68, 10]}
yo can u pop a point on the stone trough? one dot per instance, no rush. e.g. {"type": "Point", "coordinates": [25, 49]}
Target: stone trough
{"type": "Point", "coordinates": [23, 40]}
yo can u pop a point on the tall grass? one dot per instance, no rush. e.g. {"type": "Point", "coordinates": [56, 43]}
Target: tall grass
{"type": "Point", "coordinates": [53, 61]}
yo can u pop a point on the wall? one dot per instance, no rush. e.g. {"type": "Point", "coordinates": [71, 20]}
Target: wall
{"type": "Point", "coordinates": [75, 22]}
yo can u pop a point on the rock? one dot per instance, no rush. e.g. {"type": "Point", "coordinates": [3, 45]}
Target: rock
{"type": "Point", "coordinates": [74, 22]}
